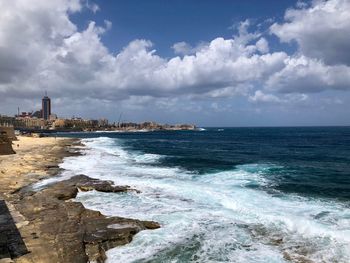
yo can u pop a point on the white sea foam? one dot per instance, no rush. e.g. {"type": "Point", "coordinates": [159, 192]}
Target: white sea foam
{"type": "Point", "coordinates": [211, 217]}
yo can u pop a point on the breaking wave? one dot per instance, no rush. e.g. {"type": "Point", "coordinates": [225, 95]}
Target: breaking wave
{"type": "Point", "coordinates": [224, 216]}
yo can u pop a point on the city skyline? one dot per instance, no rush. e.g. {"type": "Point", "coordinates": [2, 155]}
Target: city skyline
{"type": "Point", "coordinates": [44, 120]}
{"type": "Point", "coordinates": [229, 64]}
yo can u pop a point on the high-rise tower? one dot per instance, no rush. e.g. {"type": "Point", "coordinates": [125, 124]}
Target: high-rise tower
{"type": "Point", "coordinates": [46, 107]}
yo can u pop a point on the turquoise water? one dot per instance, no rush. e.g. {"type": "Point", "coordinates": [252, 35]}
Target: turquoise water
{"type": "Point", "coordinates": [226, 194]}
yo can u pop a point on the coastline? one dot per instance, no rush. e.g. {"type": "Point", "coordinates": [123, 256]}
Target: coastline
{"type": "Point", "coordinates": [48, 226]}
{"type": "Point", "coordinates": [35, 159]}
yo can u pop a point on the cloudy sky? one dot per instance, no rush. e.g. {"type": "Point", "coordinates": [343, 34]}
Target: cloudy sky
{"type": "Point", "coordinates": [213, 63]}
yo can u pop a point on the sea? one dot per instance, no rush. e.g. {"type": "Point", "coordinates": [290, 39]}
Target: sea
{"type": "Point", "coordinates": [225, 194]}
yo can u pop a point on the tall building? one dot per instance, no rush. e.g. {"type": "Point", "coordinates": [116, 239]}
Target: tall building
{"type": "Point", "coordinates": [46, 107]}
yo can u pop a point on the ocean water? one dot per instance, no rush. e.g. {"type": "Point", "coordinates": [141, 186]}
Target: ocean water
{"type": "Point", "coordinates": [225, 194]}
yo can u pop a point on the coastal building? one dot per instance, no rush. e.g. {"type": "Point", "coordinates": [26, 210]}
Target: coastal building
{"type": "Point", "coordinates": [59, 124]}
{"type": "Point", "coordinates": [75, 124]}
{"type": "Point", "coordinates": [102, 122]}
{"type": "Point", "coordinates": [53, 117]}
{"type": "Point", "coordinates": [46, 107]}
{"type": "Point", "coordinates": [10, 121]}
{"type": "Point", "coordinates": [32, 123]}
{"type": "Point", "coordinates": [24, 114]}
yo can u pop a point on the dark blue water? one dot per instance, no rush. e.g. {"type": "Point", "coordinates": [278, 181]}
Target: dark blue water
{"type": "Point", "coordinates": [267, 195]}
{"type": "Point", "coordinates": [309, 161]}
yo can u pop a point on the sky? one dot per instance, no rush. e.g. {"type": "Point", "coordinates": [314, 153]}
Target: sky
{"type": "Point", "coordinates": [211, 63]}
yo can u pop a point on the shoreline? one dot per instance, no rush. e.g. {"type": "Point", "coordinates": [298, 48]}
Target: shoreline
{"type": "Point", "coordinates": [35, 159]}
{"type": "Point", "coordinates": [49, 225]}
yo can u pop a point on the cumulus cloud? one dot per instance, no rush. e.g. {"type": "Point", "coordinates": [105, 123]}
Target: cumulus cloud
{"type": "Point", "coordinates": [322, 31]}
{"type": "Point", "coordinates": [262, 45]}
{"type": "Point", "coordinates": [29, 32]}
{"type": "Point", "coordinates": [261, 97]}
{"type": "Point", "coordinates": [183, 48]}
{"type": "Point", "coordinates": [303, 74]}
{"type": "Point", "coordinates": [50, 53]}
{"type": "Point", "coordinates": [53, 55]}
{"type": "Point", "coordinates": [222, 65]}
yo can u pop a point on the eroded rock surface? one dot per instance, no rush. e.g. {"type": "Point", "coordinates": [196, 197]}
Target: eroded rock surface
{"type": "Point", "coordinates": [5, 144]}
{"type": "Point", "coordinates": [61, 230]}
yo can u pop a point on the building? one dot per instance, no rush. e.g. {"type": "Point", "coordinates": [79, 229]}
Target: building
{"type": "Point", "coordinates": [53, 117]}
{"type": "Point", "coordinates": [46, 107]}
{"type": "Point", "coordinates": [10, 121]}
{"type": "Point", "coordinates": [59, 124]}
{"type": "Point", "coordinates": [24, 114]}
{"type": "Point", "coordinates": [102, 122]}
{"type": "Point", "coordinates": [32, 123]}
{"type": "Point", "coordinates": [37, 114]}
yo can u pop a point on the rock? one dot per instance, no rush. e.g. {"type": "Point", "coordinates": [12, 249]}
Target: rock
{"type": "Point", "coordinates": [6, 148]}
{"type": "Point", "coordinates": [6, 141]}
{"type": "Point", "coordinates": [68, 193]}
{"type": "Point", "coordinates": [102, 186]}
{"type": "Point", "coordinates": [151, 224]}
{"type": "Point", "coordinates": [68, 232]}
{"type": "Point", "coordinates": [52, 166]}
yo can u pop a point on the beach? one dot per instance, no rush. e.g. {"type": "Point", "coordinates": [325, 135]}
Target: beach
{"type": "Point", "coordinates": [36, 158]}
{"type": "Point", "coordinates": [45, 225]}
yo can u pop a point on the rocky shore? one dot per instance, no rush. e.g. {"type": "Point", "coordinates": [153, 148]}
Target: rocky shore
{"type": "Point", "coordinates": [51, 227]}
{"type": "Point", "coordinates": [5, 144]}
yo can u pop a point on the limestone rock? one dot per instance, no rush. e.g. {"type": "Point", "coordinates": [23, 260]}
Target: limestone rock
{"type": "Point", "coordinates": [68, 231]}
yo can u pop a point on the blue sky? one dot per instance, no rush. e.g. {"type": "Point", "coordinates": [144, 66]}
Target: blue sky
{"type": "Point", "coordinates": [212, 63]}
{"type": "Point", "coordinates": [167, 22]}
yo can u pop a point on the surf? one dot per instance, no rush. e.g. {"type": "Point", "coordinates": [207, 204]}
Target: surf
{"type": "Point", "coordinates": [212, 217]}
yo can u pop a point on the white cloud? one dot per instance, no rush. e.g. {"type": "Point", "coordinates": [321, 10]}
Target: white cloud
{"type": "Point", "coordinates": [92, 6]}
{"type": "Point", "coordinates": [67, 62]}
{"type": "Point", "coordinates": [29, 32]}
{"type": "Point", "coordinates": [50, 53]}
{"type": "Point", "coordinates": [262, 45]}
{"type": "Point", "coordinates": [303, 74]}
{"type": "Point", "coordinates": [322, 31]}
{"type": "Point", "coordinates": [183, 48]}
{"type": "Point", "coordinates": [259, 96]}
